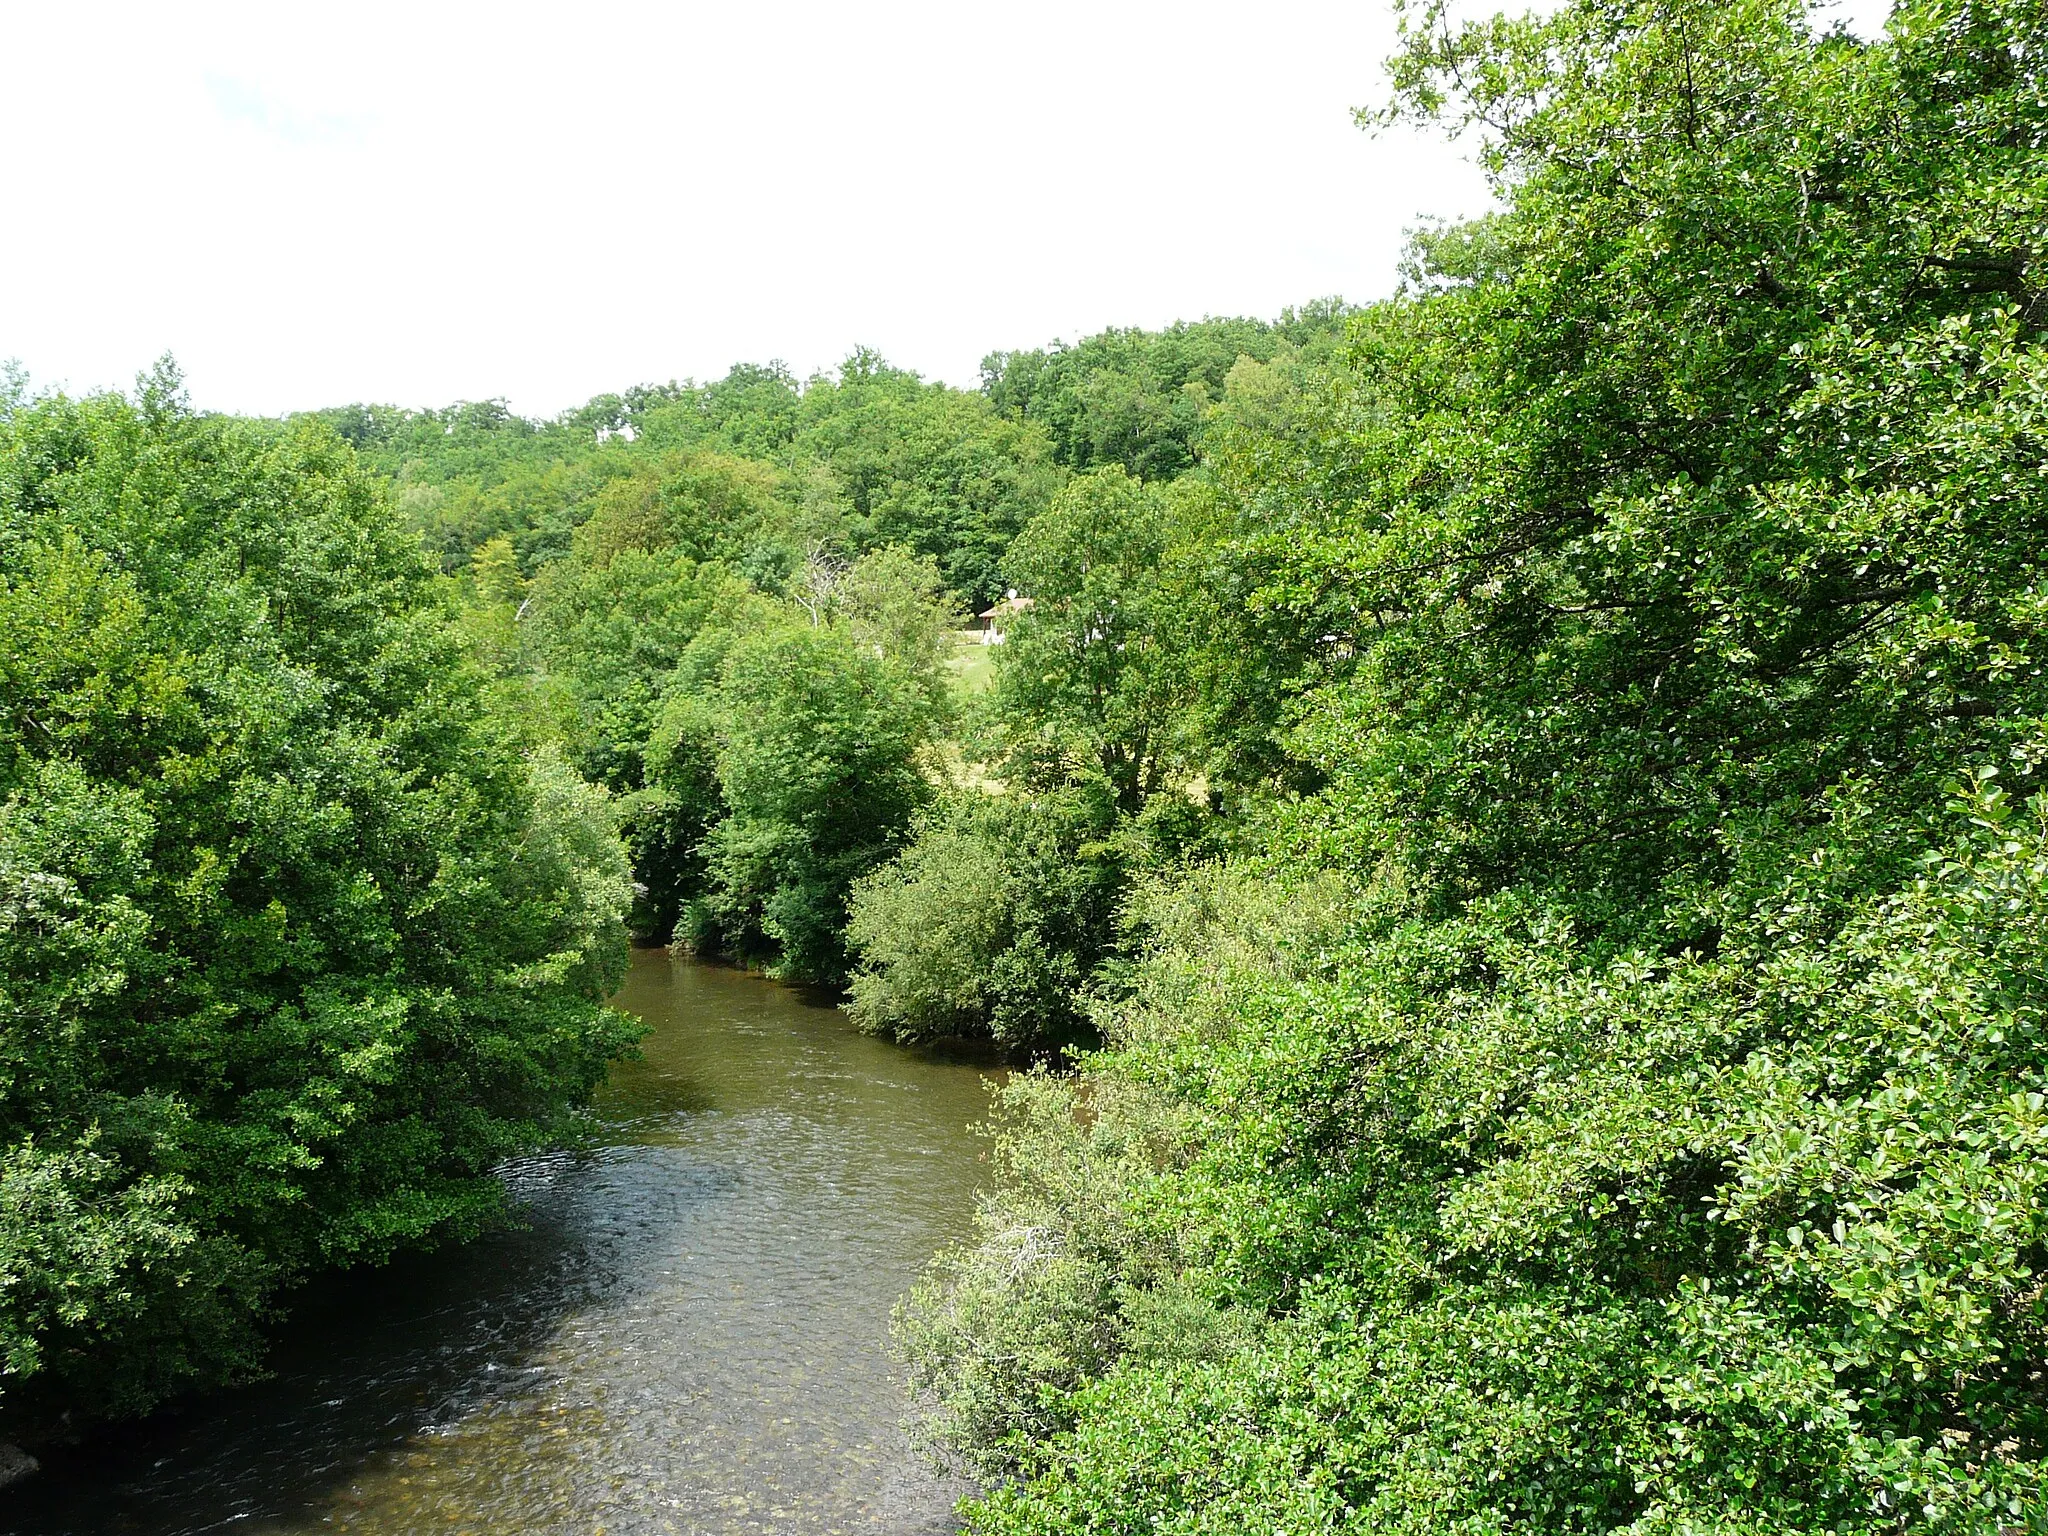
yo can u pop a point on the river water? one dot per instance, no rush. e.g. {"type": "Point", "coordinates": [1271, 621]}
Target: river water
{"type": "Point", "coordinates": [687, 1334]}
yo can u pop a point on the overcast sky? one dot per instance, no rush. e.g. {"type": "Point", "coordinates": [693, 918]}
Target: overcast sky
{"type": "Point", "coordinates": [415, 203]}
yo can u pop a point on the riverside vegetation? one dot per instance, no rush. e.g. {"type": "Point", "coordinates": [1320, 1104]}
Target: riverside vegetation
{"type": "Point", "coordinates": [1515, 824]}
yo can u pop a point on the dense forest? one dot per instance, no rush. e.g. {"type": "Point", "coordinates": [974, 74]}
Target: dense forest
{"type": "Point", "coordinates": [1507, 827]}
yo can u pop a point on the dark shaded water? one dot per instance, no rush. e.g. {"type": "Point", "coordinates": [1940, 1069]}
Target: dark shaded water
{"type": "Point", "coordinates": [689, 1335]}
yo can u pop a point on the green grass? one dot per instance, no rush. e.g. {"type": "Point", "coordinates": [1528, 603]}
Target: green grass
{"type": "Point", "coordinates": [972, 666]}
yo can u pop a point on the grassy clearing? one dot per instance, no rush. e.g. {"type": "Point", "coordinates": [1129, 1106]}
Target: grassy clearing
{"type": "Point", "coordinates": [971, 666]}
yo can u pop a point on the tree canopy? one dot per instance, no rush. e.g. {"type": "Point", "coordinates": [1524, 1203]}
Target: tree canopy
{"type": "Point", "coordinates": [296, 942]}
{"type": "Point", "coordinates": [1611, 1097]}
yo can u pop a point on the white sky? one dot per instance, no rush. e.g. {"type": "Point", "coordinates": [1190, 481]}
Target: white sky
{"type": "Point", "coordinates": [312, 203]}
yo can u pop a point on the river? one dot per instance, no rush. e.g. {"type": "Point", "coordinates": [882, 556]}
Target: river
{"type": "Point", "coordinates": [688, 1332]}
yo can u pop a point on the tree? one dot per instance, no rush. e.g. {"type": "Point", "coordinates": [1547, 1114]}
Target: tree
{"type": "Point", "coordinates": [1139, 398]}
{"type": "Point", "coordinates": [895, 604]}
{"type": "Point", "coordinates": [1652, 1140]}
{"type": "Point", "coordinates": [295, 944]}
{"type": "Point", "coordinates": [935, 470]}
{"type": "Point", "coordinates": [1090, 676]}
{"type": "Point", "coordinates": [991, 922]}
{"type": "Point", "coordinates": [790, 756]}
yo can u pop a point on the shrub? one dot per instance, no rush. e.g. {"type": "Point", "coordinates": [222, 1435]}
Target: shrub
{"type": "Point", "coordinates": [992, 921]}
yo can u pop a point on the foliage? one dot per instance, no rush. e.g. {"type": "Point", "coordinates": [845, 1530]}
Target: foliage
{"type": "Point", "coordinates": [1083, 1258]}
{"type": "Point", "coordinates": [1000, 914]}
{"type": "Point", "coordinates": [296, 945]}
{"type": "Point", "coordinates": [608, 636]}
{"type": "Point", "coordinates": [766, 755]}
{"type": "Point", "coordinates": [474, 471]}
{"type": "Point", "coordinates": [1138, 399]}
{"type": "Point", "coordinates": [936, 470]}
{"type": "Point", "coordinates": [1652, 1138]}
{"type": "Point", "coordinates": [754, 470]}
{"type": "Point", "coordinates": [1091, 680]}
{"type": "Point", "coordinates": [625, 564]}
{"type": "Point", "coordinates": [993, 920]}
{"type": "Point", "coordinates": [815, 749]}
{"type": "Point", "coordinates": [1614, 1245]}
{"type": "Point", "coordinates": [895, 606]}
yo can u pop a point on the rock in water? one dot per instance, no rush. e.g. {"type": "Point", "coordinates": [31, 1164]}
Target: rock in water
{"type": "Point", "coordinates": [15, 1464]}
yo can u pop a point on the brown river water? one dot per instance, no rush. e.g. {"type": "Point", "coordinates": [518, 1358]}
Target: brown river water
{"type": "Point", "coordinates": [688, 1332]}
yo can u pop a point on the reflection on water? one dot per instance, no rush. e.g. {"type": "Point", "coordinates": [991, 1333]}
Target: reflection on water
{"type": "Point", "coordinates": [689, 1333]}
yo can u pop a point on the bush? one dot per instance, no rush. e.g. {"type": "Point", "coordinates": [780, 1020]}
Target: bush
{"type": "Point", "coordinates": [992, 921]}
{"type": "Point", "coordinates": [1087, 1255]}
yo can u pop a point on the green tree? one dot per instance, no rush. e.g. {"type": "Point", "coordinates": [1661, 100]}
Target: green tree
{"type": "Point", "coordinates": [792, 756]}
{"type": "Point", "coordinates": [1652, 1142]}
{"type": "Point", "coordinates": [295, 944]}
{"type": "Point", "coordinates": [991, 922]}
{"type": "Point", "coordinates": [936, 470]}
{"type": "Point", "coordinates": [1139, 399]}
{"type": "Point", "coordinates": [894, 604]}
{"type": "Point", "coordinates": [1091, 677]}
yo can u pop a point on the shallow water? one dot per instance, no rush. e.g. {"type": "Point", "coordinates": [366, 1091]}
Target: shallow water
{"type": "Point", "coordinates": [689, 1334]}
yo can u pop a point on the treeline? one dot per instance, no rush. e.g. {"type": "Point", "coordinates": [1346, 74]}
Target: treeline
{"type": "Point", "coordinates": [737, 607]}
{"type": "Point", "coordinates": [338, 757]}
{"type": "Point", "coordinates": [1590, 1074]}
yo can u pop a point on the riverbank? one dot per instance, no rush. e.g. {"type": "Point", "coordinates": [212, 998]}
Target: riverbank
{"type": "Point", "coordinates": [688, 1334]}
